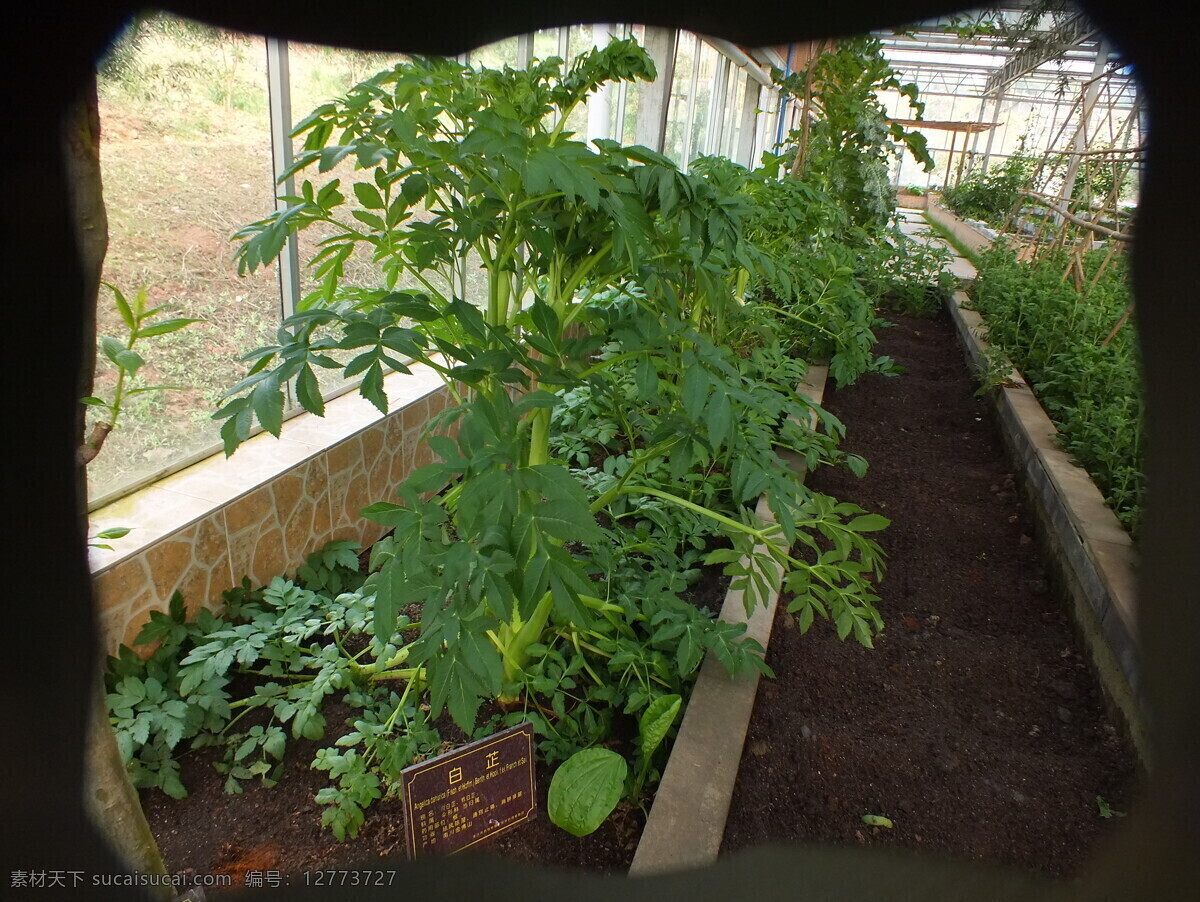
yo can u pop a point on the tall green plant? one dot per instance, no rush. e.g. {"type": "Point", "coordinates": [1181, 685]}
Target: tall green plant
{"type": "Point", "coordinates": [141, 322]}
{"type": "Point", "coordinates": [848, 145]}
{"type": "Point", "coordinates": [992, 196]}
{"type": "Point", "coordinates": [502, 559]}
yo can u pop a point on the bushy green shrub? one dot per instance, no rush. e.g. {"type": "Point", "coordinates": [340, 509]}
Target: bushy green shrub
{"type": "Point", "coordinates": [991, 196]}
{"type": "Point", "coordinates": [1056, 336]}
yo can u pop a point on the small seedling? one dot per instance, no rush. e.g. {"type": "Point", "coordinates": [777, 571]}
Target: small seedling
{"type": "Point", "coordinates": [878, 820]}
{"type": "Point", "coordinates": [1107, 811]}
{"type": "Point", "coordinates": [137, 319]}
{"type": "Point", "coordinates": [116, 532]}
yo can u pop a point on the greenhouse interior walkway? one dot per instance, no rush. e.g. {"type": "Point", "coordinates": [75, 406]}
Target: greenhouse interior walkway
{"type": "Point", "coordinates": [976, 725]}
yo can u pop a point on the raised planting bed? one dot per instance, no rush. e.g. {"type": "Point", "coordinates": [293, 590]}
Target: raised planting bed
{"type": "Point", "coordinates": [278, 829]}
{"type": "Point", "coordinates": [1092, 557]}
{"type": "Point", "coordinates": [692, 802]}
{"type": "Point", "coordinates": [1091, 554]}
{"type": "Point", "coordinates": [967, 235]}
{"type": "Point", "coordinates": [977, 725]}
{"type": "Point", "coordinates": [912, 201]}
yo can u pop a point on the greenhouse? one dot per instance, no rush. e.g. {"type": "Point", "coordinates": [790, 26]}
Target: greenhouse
{"type": "Point", "coordinates": [561, 451]}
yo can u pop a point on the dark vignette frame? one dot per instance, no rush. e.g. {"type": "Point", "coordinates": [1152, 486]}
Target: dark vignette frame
{"type": "Point", "coordinates": [48, 54]}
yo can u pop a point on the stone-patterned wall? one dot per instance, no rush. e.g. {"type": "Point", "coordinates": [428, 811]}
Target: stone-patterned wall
{"type": "Point", "coordinates": [267, 530]}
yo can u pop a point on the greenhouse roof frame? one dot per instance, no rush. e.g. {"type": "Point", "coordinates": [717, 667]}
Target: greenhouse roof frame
{"type": "Point", "coordinates": [1060, 53]}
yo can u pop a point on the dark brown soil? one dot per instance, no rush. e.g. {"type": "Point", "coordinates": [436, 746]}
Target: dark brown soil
{"type": "Point", "coordinates": [277, 831]}
{"type": "Point", "coordinates": [975, 724]}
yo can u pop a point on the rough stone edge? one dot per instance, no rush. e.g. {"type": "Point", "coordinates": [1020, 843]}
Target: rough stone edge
{"type": "Point", "coordinates": [1092, 555]}
{"type": "Point", "coordinates": [687, 821]}
{"type": "Point", "coordinates": [971, 237]}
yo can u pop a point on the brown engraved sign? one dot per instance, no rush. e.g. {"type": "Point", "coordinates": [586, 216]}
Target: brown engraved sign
{"type": "Point", "coordinates": [465, 796]}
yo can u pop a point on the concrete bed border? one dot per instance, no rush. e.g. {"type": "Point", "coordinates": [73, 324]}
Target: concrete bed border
{"type": "Point", "coordinates": [969, 236]}
{"type": "Point", "coordinates": [687, 820]}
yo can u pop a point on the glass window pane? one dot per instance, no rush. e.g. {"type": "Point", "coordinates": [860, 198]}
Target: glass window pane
{"type": "Point", "coordinates": [579, 42]}
{"type": "Point", "coordinates": [186, 161]}
{"type": "Point", "coordinates": [704, 107]}
{"type": "Point", "coordinates": [633, 96]}
{"type": "Point", "coordinates": [496, 56]}
{"type": "Point", "coordinates": [679, 110]}
{"type": "Point", "coordinates": [545, 43]}
{"type": "Point", "coordinates": [734, 89]}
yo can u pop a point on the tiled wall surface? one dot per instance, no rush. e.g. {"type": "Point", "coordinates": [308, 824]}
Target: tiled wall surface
{"type": "Point", "coordinates": [260, 513]}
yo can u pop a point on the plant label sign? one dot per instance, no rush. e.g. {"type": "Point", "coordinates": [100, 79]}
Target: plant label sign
{"type": "Point", "coordinates": [465, 796]}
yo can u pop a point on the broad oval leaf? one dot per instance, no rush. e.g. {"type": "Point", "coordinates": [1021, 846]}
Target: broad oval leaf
{"type": "Point", "coordinates": [585, 790]}
{"type": "Point", "coordinates": [656, 721]}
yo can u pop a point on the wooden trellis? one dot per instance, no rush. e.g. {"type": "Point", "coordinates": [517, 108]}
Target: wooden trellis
{"type": "Point", "coordinates": [1075, 216]}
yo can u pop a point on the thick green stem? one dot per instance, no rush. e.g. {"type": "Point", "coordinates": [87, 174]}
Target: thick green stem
{"type": "Point", "coordinates": [514, 651]}
{"type": "Point", "coordinates": [539, 436]}
{"type": "Point", "coordinates": [618, 488]}
{"type": "Point", "coordinates": [576, 279]}
{"type": "Point", "coordinates": [683, 502]}
{"type": "Point", "coordinates": [371, 671]}
{"type": "Point", "coordinates": [586, 666]}
{"type": "Point", "coordinates": [409, 673]}
{"type": "Point", "coordinates": [566, 112]}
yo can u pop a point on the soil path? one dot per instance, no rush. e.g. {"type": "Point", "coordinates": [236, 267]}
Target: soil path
{"type": "Point", "coordinates": [975, 724]}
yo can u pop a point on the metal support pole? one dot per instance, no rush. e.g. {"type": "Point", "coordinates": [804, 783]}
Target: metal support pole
{"type": "Point", "coordinates": [655, 98]}
{"type": "Point", "coordinates": [782, 99]}
{"type": "Point", "coordinates": [279, 94]}
{"type": "Point", "coordinates": [987, 150]}
{"type": "Point", "coordinates": [1080, 141]}
{"type": "Point", "coordinates": [745, 149]}
{"type": "Point", "coordinates": [599, 104]}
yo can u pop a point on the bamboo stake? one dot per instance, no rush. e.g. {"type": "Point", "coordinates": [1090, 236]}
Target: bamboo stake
{"type": "Point", "coordinates": [1112, 250]}
{"type": "Point", "coordinates": [1119, 175]}
{"type": "Point", "coordinates": [1099, 229]}
{"type": "Point", "coordinates": [802, 148]}
{"type": "Point", "coordinates": [1117, 328]}
{"type": "Point", "coordinates": [1104, 151]}
{"type": "Point", "coordinates": [1048, 157]}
